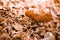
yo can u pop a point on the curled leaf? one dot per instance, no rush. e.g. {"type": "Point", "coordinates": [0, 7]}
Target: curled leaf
{"type": "Point", "coordinates": [43, 17]}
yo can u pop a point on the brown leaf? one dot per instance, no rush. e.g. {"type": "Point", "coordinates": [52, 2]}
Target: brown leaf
{"type": "Point", "coordinates": [43, 17]}
{"type": "Point", "coordinates": [1, 19]}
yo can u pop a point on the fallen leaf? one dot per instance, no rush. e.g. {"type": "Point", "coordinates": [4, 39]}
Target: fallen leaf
{"type": "Point", "coordinates": [43, 17]}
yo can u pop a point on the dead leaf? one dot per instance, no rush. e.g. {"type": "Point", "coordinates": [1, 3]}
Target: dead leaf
{"type": "Point", "coordinates": [43, 17]}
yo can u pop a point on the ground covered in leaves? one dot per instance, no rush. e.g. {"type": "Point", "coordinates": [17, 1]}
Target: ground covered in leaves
{"type": "Point", "coordinates": [29, 20]}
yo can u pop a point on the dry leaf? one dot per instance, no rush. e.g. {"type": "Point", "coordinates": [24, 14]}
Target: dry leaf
{"type": "Point", "coordinates": [43, 17]}
{"type": "Point", "coordinates": [1, 19]}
